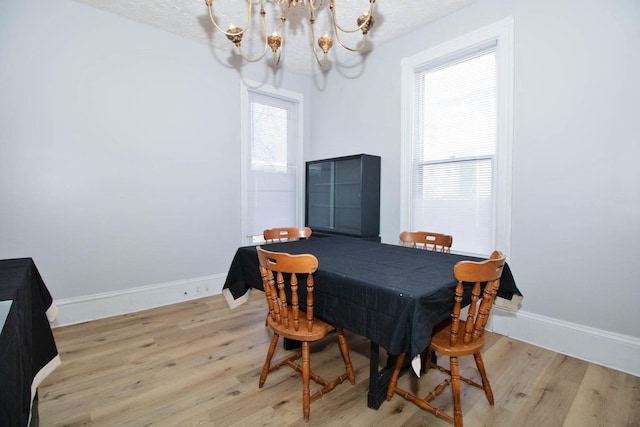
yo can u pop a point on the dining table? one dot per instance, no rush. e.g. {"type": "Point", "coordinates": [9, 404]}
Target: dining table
{"type": "Point", "coordinates": [390, 294]}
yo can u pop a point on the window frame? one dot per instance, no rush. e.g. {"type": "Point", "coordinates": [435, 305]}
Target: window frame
{"type": "Point", "coordinates": [296, 98]}
{"type": "Point", "coordinates": [500, 34]}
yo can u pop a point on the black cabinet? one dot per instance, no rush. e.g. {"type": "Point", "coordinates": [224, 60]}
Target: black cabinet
{"type": "Point", "coordinates": [343, 196]}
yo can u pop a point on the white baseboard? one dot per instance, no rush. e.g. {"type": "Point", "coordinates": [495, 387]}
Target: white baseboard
{"type": "Point", "coordinates": [620, 352]}
{"type": "Point", "coordinates": [108, 304]}
{"type": "Point", "coordinates": [616, 351]}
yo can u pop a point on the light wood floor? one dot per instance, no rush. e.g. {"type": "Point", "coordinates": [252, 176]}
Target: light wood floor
{"type": "Point", "coordinates": [197, 363]}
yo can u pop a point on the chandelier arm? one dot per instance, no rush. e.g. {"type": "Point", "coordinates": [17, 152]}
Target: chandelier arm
{"type": "Point", "coordinates": [362, 44]}
{"type": "Point", "coordinates": [358, 28]}
{"type": "Point", "coordinates": [264, 32]}
{"type": "Point", "coordinates": [240, 31]}
{"type": "Point", "coordinates": [276, 60]}
{"type": "Point", "coordinates": [246, 58]}
{"type": "Point", "coordinates": [322, 63]}
{"type": "Point", "coordinates": [227, 33]}
{"type": "Point", "coordinates": [313, 6]}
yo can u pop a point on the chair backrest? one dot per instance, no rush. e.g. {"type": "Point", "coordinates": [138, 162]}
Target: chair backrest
{"type": "Point", "coordinates": [285, 234]}
{"type": "Point", "coordinates": [426, 240]}
{"type": "Point", "coordinates": [279, 272]}
{"type": "Point", "coordinates": [488, 272]}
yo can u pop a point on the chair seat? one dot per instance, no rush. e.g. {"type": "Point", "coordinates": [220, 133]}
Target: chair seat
{"type": "Point", "coordinates": [319, 330]}
{"type": "Point", "coordinates": [440, 342]}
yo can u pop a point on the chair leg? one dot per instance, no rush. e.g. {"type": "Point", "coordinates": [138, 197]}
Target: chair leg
{"type": "Point", "coordinates": [485, 380]}
{"type": "Point", "coordinates": [428, 358]}
{"type": "Point", "coordinates": [394, 377]}
{"type": "Point", "coordinates": [267, 362]}
{"type": "Point", "coordinates": [344, 349]}
{"type": "Point", "coordinates": [455, 390]}
{"type": "Point", "coordinates": [306, 368]}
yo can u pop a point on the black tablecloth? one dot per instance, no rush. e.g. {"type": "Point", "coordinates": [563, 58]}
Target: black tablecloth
{"type": "Point", "coordinates": [390, 294]}
{"type": "Point", "coordinates": [28, 351]}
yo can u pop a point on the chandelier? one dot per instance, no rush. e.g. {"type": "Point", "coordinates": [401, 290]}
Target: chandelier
{"type": "Point", "coordinates": [275, 40]}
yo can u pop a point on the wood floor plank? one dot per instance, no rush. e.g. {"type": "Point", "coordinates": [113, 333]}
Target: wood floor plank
{"type": "Point", "coordinates": [513, 368]}
{"type": "Point", "coordinates": [197, 363]}
{"type": "Point", "coordinates": [600, 393]}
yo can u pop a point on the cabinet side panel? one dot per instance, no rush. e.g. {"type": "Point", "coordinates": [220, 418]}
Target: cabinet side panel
{"type": "Point", "coordinates": [371, 196]}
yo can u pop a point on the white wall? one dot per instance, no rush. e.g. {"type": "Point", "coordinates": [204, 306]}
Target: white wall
{"type": "Point", "coordinates": [576, 180]}
{"type": "Point", "coordinates": [119, 152]}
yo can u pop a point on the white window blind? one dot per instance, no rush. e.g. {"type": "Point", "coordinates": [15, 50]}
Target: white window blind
{"type": "Point", "coordinates": [271, 157]}
{"type": "Point", "coordinates": [454, 149]}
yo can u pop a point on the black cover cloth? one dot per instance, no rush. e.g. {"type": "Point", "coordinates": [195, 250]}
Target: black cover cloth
{"type": "Point", "coordinates": [26, 342]}
{"type": "Point", "coordinates": [390, 294]}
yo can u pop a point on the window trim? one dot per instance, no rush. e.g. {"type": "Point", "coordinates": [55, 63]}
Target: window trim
{"type": "Point", "coordinates": [247, 86]}
{"type": "Point", "coordinates": [500, 33]}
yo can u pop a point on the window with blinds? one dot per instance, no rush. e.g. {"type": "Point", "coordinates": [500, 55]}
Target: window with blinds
{"type": "Point", "coordinates": [457, 114]}
{"type": "Point", "coordinates": [454, 150]}
{"type": "Point", "coordinates": [271, 162]}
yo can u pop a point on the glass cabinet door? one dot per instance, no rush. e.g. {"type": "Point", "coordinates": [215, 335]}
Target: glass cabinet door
{"type": "Point", "coordinates": [347, 202]}
{"type": "Point", "coordinates": [320, 194]}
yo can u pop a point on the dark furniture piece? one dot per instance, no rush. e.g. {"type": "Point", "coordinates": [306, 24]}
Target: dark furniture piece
{"type": "Point", "coordinates": [28, 351]}
{"type": "Point", "coordinates": [390, 294]}
{"type": "Point", "coordinates": [343, 196]}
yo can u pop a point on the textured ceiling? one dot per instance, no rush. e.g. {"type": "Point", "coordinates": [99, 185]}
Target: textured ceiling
{"type": "Point", "coordinates": [190, 18]}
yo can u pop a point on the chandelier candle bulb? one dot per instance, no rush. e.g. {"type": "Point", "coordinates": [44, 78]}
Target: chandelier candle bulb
{"type": "Point", "coordinates": [325, 42]}
{"type": "Point", "coordinates": [274, 41]}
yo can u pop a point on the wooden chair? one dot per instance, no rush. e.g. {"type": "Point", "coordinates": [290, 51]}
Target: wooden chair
{"type": "Point", "coordinates": [429, 241]}
{"type": "Point", "coordinates": [288, 320]}
{"type": "Point", "coordinates": [457, 340]}
{"type": "Point", "coordinates": [285, 234]}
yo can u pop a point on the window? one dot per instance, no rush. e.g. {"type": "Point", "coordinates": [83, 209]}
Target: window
{"type": "Point", "coordinates": [457, 115]}
{"type": "Point", "coordinates": [271, 160]}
